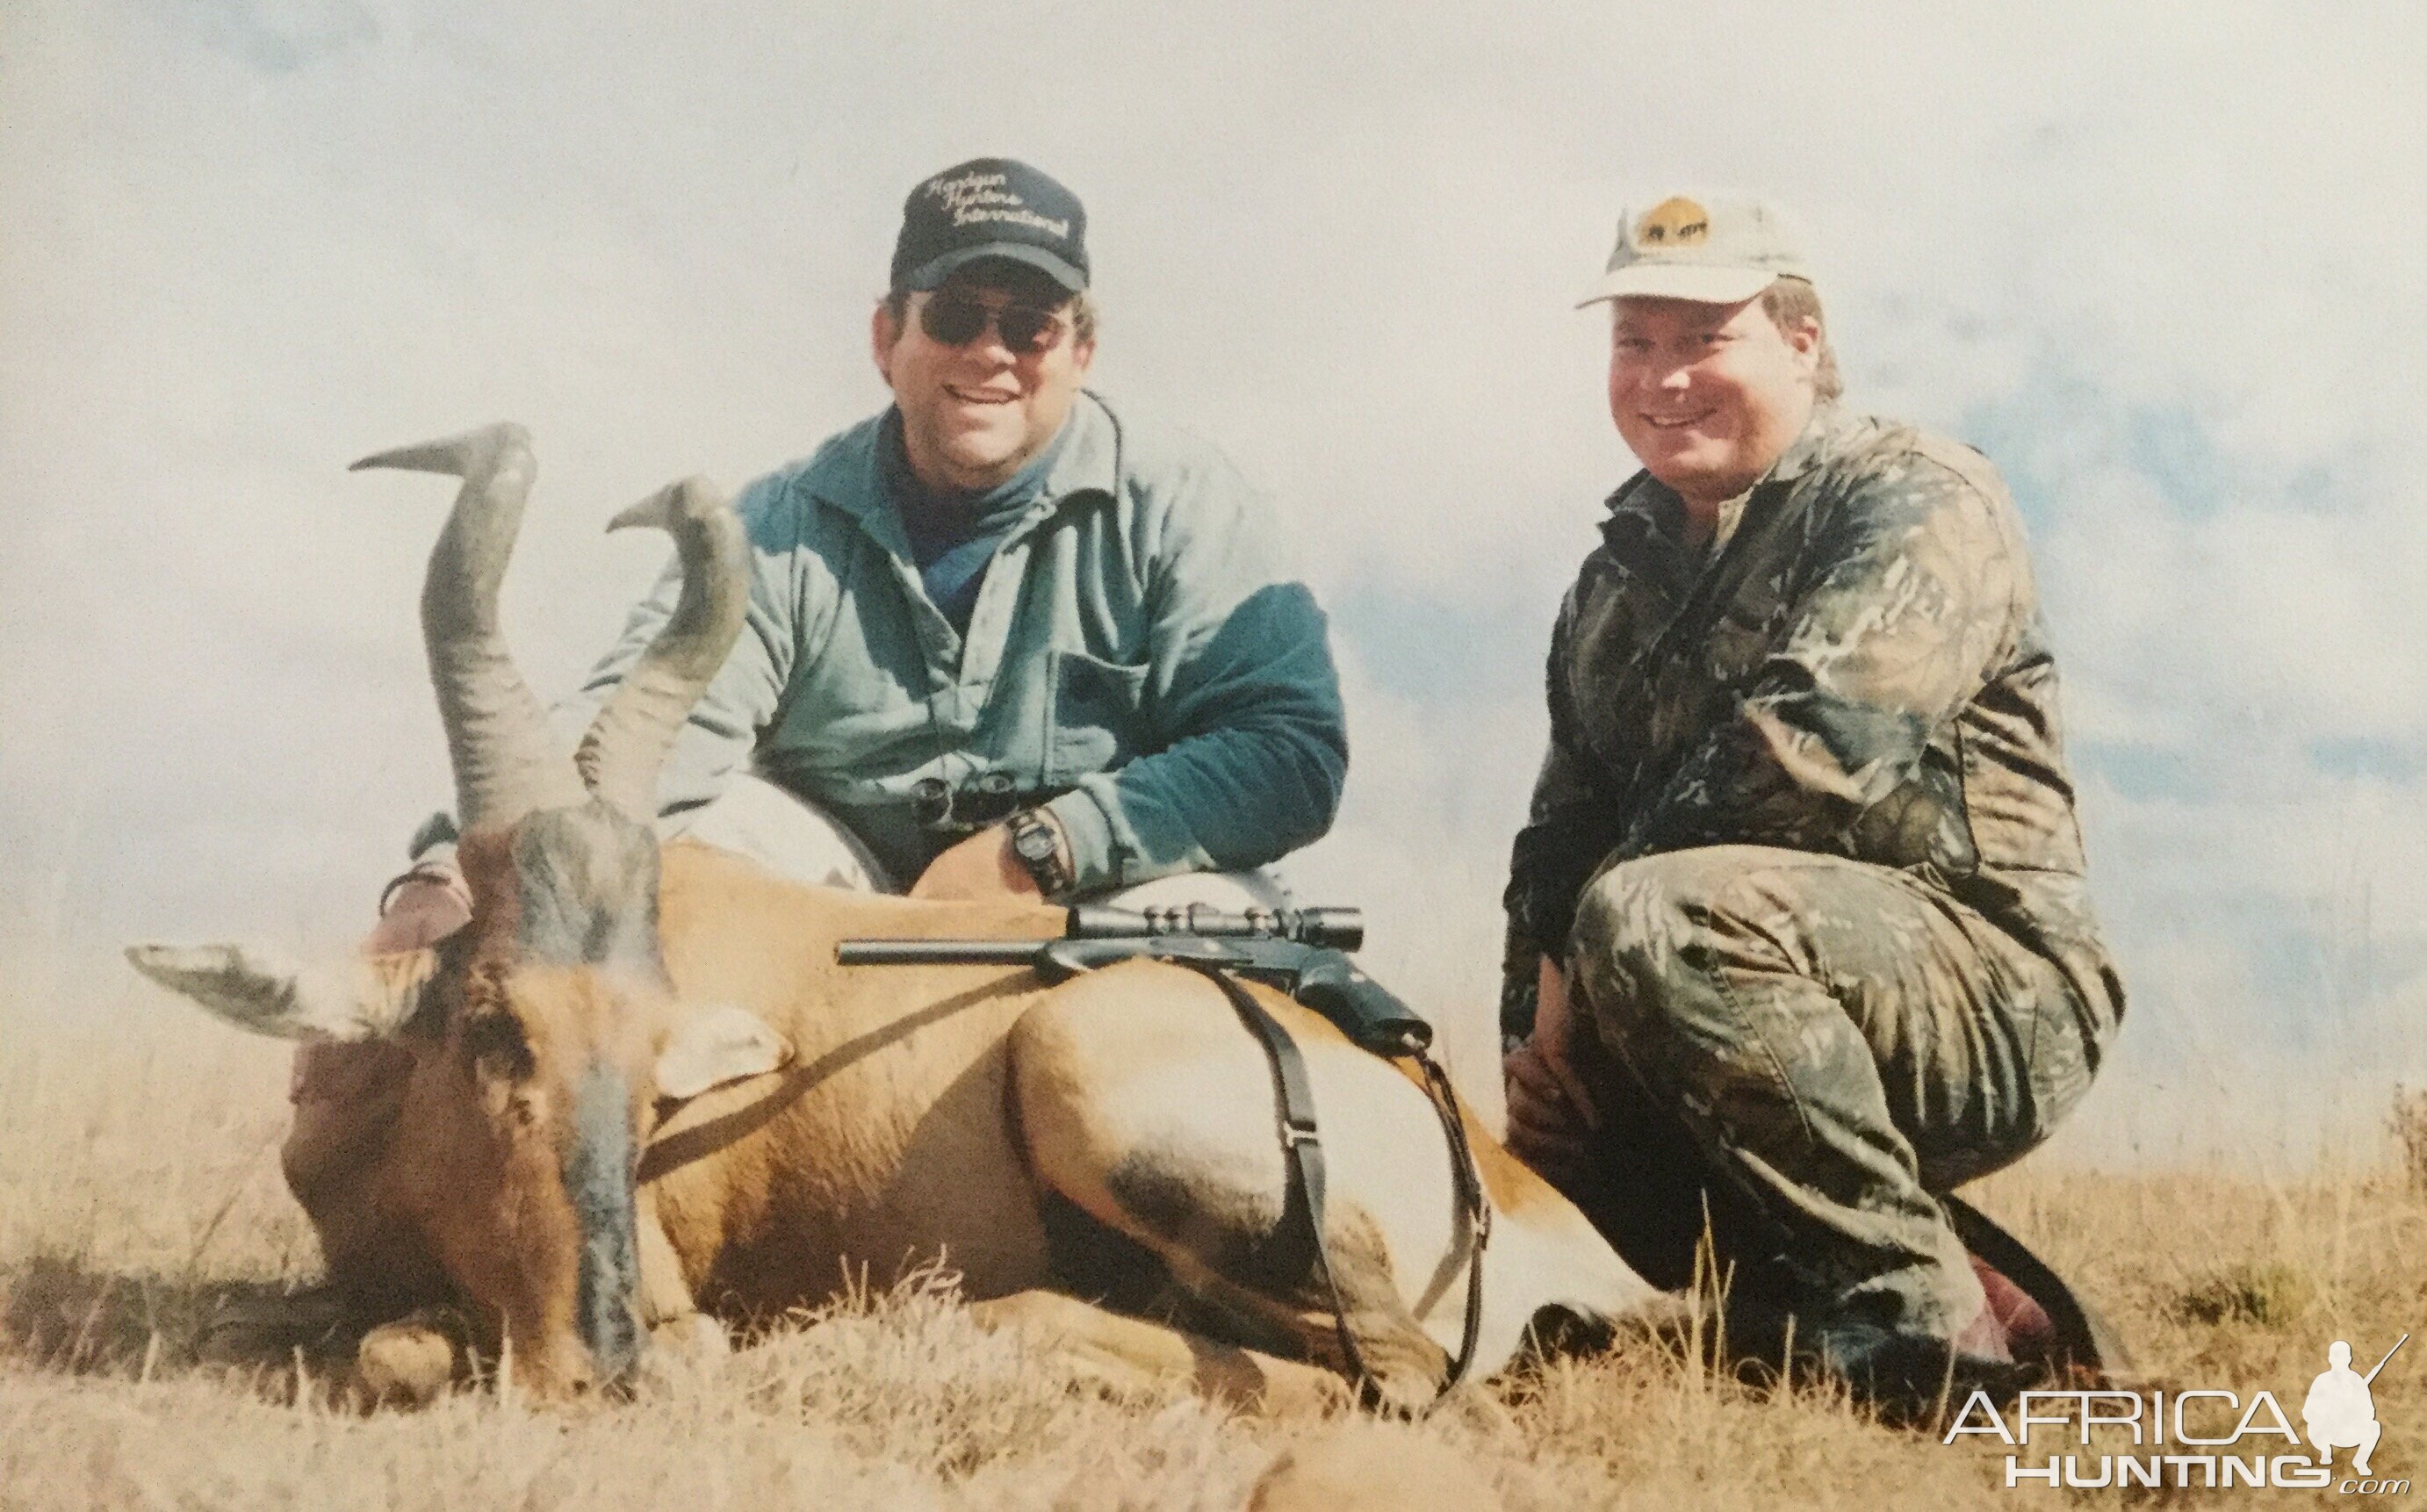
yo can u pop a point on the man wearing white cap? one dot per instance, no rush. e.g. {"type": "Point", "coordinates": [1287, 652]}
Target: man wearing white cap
{"type": "Point", "coordinates": [1801, 897]}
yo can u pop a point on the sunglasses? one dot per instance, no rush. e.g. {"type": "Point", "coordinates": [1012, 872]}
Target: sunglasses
{"type": "Point", "coordinates": [956, 322]}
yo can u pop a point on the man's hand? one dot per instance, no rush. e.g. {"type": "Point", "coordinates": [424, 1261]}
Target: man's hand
{"type": "Point", "coordinates": [981, 867]}
{"type": "Point", "coordinates": [1550, 1112]}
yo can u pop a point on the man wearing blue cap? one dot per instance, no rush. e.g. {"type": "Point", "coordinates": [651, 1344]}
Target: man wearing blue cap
{"type": "Point", "coordinates": [1010, 639]}
{"type": "Point", "coordinates": [1798, 932]}
{"type": "Point", "coordinates": [1004, 639]}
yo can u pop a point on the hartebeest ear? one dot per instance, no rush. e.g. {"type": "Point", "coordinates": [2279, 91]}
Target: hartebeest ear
{"type": "Point", "coordinates": [258, 988]}
{"type": "Point", "coordinates": [710, 1047]}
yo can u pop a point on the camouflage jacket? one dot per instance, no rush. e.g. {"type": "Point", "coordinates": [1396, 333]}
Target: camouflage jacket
{"type": "Point", "coordinates": [1856, 666]}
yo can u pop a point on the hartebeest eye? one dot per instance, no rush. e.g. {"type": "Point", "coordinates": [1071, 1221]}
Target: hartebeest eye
{"type": "Point", "coordinates": [495, 1044]}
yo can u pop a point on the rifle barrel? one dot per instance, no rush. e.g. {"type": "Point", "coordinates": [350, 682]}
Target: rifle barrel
{"type": "Point", "coordinates": [939, 952]}
{"type": "Point", "coordinates": [2388, 1357]}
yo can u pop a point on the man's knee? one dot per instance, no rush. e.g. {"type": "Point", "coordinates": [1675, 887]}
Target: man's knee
{"type": "Point", "coordinates": [1645, 945]}
{"type": "Point", "coordinates": [790, 836]}
{"type": "Point", "coordinates": [1699, 973]}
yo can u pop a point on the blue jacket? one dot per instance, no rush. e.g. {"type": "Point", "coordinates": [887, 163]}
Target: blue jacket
{"type": "Point", "coordinates": [1138, 657]}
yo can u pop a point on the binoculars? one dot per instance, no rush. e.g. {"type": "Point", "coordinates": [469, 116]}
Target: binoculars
{"type": "Point", "coordinates": [985, 799]}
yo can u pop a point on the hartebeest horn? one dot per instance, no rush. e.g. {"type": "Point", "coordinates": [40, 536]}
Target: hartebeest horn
{"type": "Point", "coordinates": [621, 756]}
{"type": "Point", "coordinates": [506, 762]}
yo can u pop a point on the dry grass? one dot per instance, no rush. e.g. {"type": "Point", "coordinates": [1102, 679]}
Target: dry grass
{"type": "Point", "coordinates": [138, 1188]}
{"type": "Point", "coordinates": [2407, 1123]}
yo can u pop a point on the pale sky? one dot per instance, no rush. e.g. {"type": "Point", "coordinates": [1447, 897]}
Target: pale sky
{"type": "Point", "coordinates": [2162, 262]}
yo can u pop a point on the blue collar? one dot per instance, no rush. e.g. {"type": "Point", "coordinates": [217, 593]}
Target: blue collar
{"type": "Point", "coordinates": [936, 519]}
{"type": "Point", "coordinates": [848, 473]}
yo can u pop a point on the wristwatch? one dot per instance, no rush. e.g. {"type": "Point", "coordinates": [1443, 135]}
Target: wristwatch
{"type": "Point", "coordinates": [1037, 841]}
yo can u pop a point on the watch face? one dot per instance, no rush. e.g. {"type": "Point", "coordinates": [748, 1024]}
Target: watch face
{"type": "Point", "coordinates": [1034, 842]}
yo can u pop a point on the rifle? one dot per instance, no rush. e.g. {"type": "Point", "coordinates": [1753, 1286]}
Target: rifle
{"type": "Point", "coordinates": [2371, 1379]}
{"type": "Point", "coordinates": [1303, 951]}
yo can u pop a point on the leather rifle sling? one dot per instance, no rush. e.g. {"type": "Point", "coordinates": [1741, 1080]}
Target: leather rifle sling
{"type": "Point", "coordinates": [1300, 1242]}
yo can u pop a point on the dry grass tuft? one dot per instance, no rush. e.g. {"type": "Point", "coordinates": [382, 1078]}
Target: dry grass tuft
{"type": "Point", "coordinates": [1372, 1466]}
{"type": "Point", "coordinates": [2265, 1295]}
{"type": "Point", "coordinates": [138, 1197]}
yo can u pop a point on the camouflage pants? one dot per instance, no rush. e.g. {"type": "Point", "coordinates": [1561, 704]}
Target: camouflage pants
{"type": "Point", "coordinates": [1836, 1041]}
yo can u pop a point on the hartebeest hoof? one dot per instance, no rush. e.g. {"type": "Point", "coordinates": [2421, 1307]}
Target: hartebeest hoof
{"type": "Point", "coordinates": [694, 1336]}
{"type": "Point", "coordinates": [682, 1347]}
{"type": "Point", "coordinates": [1132, 1355]}
{"type": "Point", "coordinates": [1372, 1468]}
{"type": "Point", "coordinates": [411, 1361]}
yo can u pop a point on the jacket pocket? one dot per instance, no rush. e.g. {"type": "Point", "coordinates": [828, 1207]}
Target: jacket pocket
{"type": "Point", "coordinates": [1095, 721]}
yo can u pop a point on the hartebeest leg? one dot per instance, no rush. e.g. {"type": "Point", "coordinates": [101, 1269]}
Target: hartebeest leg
{"type": "Point", "coordinates": [1408, 1366]}
{"type": "Point", "coordinates": [1147, 1107]}
{"type": "Point", "coordinates": [1132, 1354]}
{"type": "Point", "coordinates": [668, 1311]}
{"type": "Point", "coordinates": [665, 1296]}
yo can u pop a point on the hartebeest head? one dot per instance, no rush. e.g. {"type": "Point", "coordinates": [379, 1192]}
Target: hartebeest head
{"type": "Point", "coordinates": [541, 1032]}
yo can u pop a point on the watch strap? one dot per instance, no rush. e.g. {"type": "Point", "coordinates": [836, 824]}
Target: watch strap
{"type": "Point", "coordinates": [1037, 842]}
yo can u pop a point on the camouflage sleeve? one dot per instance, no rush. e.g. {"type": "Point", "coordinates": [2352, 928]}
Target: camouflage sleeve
{"type": "Point", "coordinates": [1570, 826]}
{"type": "Point", "coordinates": [1913, 584]}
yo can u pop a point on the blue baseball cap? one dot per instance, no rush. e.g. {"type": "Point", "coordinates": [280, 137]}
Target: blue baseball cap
{"type": "Point", "coordinates": [990, 207]}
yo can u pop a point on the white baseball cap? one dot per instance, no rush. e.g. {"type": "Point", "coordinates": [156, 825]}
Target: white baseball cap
{"type": "Point", "coordinates": [1712, 250]}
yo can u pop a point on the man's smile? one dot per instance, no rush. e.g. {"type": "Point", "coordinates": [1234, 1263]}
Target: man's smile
{"type": "Point", "coordinates": [979, 396]}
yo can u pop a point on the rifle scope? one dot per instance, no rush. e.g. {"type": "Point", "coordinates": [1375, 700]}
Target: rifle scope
{"type": "Point", "coordinates": [1335, 929]}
